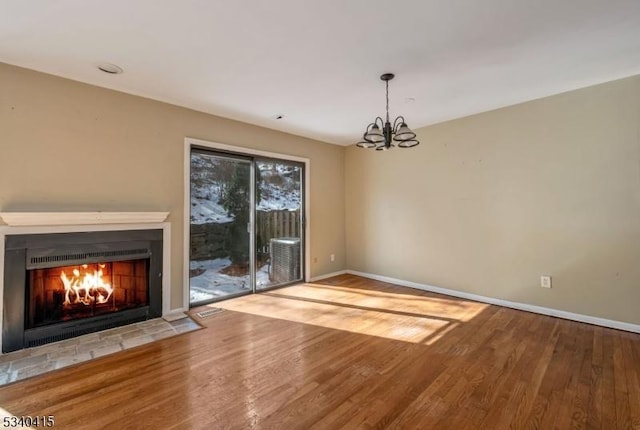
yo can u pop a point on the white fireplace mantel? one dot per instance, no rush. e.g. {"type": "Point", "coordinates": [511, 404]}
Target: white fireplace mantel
{"type": "Point", "coordinates": [32, 219]}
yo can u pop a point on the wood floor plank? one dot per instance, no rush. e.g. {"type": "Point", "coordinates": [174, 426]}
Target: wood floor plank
{"type": "Point", "coordinates": [623, 413]}
{"type": "Point", "coordinates": [609, 407]}
{"type": "Point", "coordinates": [349, 352]}
{"type": "Point", "coordinates": [595, 402]}
{"type": "Point", "coordinates": [631, 352]}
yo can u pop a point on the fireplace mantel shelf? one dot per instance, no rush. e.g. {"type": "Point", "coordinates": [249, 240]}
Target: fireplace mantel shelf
{"type": "Point", "coordinates": [28, 219]}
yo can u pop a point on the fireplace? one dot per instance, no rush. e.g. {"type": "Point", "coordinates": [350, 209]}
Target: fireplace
{"type": "Point", "coordinates": [62, 285]}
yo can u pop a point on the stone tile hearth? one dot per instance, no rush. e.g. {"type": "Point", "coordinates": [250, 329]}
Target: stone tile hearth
{"type": "Point", "coordinates": [25, 363]}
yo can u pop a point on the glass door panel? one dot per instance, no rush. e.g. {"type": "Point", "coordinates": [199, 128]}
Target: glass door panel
{"type": "Point", "coordinates": [220, 215]}
{"type": "Point", "coordinates": [279, 228]}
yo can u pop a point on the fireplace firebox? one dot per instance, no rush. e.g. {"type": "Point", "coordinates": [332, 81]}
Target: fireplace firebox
{"type": "Point", "coordinates": [67, 293]}
{"type": "Point", "coordinates": [62, 285]}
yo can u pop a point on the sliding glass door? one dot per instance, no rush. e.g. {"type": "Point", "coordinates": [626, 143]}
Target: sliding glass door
{"type": "Point", "coordinates": [279, 226]}
{"type": "Point", "coordinates": [246, 224]}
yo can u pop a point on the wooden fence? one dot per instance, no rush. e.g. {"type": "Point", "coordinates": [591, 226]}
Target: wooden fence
{"type": "Point", "coordinates": [208, 240]}
{"type": "Point", "coordinates": [270, 224]}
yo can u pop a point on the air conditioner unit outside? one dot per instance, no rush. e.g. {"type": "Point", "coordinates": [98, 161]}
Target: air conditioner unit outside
{"type": "Point", "coordinates": [285, 259]}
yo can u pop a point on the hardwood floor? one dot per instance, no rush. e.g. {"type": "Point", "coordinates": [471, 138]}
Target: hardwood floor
{"type": "Point", "coordinates": [353, 353]}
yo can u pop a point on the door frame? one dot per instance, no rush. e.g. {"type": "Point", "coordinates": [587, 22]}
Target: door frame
{"type": "Point", "coordinates": [189, 143]}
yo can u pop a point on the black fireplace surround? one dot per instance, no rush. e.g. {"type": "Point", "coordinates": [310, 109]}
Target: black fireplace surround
{"type": "Point", "coordinates": [28, 253]}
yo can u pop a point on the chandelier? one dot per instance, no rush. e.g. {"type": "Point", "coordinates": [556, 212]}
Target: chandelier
{"type": "Point", "coordinates": [381, 135]}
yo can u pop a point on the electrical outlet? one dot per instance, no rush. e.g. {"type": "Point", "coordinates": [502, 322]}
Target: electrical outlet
{"type": "Point", "coordinates": [332, 257]}
{"type": "Point", "coordinates": [545, 281]}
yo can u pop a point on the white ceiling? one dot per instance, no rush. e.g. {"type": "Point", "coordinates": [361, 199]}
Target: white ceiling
{"type": "Point", "coordinates": [318, 62]}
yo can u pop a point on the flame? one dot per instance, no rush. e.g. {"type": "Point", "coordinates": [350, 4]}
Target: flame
{"type": "Point", "coordinates": [87, 287]}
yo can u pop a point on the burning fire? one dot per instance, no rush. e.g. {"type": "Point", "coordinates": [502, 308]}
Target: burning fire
{"type": "Point", "coordinates": [87, 287]}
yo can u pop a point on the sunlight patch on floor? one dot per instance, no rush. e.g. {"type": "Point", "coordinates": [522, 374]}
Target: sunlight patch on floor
{"type": "Point", "coordinates": [405, 317]}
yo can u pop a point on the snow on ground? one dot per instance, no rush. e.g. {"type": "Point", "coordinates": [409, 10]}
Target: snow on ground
{"type": "Point", "coordinates": [212, 284]}
{"type": "Point", "coordinates": [278, 199]}
{"type": "Point", "coordinates": [205, 207]}
{"type": "Point", "coordinates": [279, 190]}
{"type": "Point", "coordinates": [262, 277]}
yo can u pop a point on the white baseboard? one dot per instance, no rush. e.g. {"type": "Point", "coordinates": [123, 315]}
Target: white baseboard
{"type": "Point", "coordinates": [635, 328]}
{"type": "Point", "coordinates": [328, 275]}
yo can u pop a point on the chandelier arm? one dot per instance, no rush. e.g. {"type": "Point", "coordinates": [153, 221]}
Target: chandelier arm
{"type": "Point", "coordinates": [397, 123]}
{"type": "Point", "coordinates": [365, 144]}
{"type": "Point", "coordinates": [409, 143]}
{"type": "Point", "coordinates": [375, 121]}
{"type": "Point", "coordinates": [370, 127]}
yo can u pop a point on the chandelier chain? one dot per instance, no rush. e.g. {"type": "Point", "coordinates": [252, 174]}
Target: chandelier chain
{"type": "Point", "coordinates": [387, 82]}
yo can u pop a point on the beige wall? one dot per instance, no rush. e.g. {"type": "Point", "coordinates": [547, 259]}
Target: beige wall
{"type": "Point", "coordinates": [67, 146]}
{"type": "Point", "coordinates": [488, 203]}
